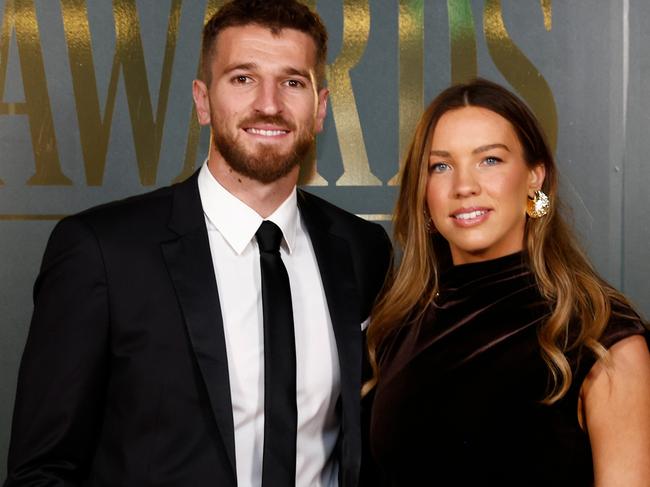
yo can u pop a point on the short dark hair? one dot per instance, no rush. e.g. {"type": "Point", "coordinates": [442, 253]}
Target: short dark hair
{"type": "Point", "coordinates": [272, 14]}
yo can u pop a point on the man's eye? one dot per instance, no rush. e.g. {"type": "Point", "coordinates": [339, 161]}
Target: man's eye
{"type": "Point", "coordinates": [294, 83]}
{"type": "Point", "coordinates": [241, 80]}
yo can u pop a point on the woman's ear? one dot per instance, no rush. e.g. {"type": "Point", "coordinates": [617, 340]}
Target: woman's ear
{"type": "Point", "coordinates": [536, 178]}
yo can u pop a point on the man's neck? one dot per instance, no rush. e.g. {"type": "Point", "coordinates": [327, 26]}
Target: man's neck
{"type": "Point", "coordinates": [264, 198]}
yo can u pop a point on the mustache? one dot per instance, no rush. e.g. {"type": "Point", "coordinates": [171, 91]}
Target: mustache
{"type": "Point", "coordinates": [278, 120]}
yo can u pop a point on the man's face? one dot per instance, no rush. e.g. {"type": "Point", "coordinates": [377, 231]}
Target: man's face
{"type": "Point", "coordinates": [262, 103]}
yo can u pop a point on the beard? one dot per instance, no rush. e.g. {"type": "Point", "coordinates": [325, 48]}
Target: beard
{"type": "Point", "coordinates": [264, 163]}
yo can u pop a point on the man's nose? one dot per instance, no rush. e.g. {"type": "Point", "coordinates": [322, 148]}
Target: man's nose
{"type": "Point", "coordinates": [268, 99]}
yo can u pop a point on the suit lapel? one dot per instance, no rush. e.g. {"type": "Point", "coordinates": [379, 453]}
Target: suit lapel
{"type": "Point", "coordinates": [336, 270]}
{"type": "Point", "coordinates": [189, 263]}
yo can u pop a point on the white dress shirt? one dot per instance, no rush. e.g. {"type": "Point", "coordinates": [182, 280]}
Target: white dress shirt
{"type": "Point", "coordinates": [231, 228]}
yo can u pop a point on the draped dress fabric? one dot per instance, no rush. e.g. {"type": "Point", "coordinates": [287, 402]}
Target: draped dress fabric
{"type": "Point", "coordinates": [459, 396]}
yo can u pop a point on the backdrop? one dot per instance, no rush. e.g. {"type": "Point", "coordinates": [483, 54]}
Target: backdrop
{"type": "Point", "coordinates": [95, 104]}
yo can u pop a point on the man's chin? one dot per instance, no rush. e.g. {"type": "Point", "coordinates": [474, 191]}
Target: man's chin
{"type": "Point", "coordinates": [267, 174]}
{"type": "Point", "coordinates": [268, 152]}
{"type": "Point", "coordinates": [263, 162]}
{"type": "Point", "coordinates": [264, 167]}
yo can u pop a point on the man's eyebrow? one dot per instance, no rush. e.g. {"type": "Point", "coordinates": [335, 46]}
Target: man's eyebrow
{"type": "Point", "coordinates": [485, 148]}
{"type": "Point", "coordinates": [288, 71]}
{"type": "Point", "coordinates": [291, 71]}
{"type": "Point", "coordinates": [240, 67]}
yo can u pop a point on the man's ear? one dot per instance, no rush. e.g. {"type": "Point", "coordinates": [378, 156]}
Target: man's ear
{"type": "Point", "coordinates": [201, 101]}
{"type": "Point", "coordinates": [321, 110]}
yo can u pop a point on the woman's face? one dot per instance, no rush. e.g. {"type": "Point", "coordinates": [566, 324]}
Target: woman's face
{"type": "Point", "coordinates": [478, 184]}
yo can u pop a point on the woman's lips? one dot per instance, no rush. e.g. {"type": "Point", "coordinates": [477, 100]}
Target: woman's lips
{"type": "Point", "coordinates": [468, 217]}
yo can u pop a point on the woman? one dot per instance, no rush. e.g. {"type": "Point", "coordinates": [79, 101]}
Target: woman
{"type": "Point", "coordinates": [500, 357]}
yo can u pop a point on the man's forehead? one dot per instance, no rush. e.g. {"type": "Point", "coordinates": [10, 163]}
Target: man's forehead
{"type": "Point", "coordinates": [252, 39]}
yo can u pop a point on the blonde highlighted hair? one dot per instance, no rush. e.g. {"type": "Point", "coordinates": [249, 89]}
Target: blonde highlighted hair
{"type": "Point", "coordinates": [566, 279]}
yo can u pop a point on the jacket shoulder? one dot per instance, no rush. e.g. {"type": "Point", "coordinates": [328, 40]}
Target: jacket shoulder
{"type": "Point", "coordinates": [129, 207]}
{"type": "Point", "coordinates": [339, 217]}
{"type": "Point", "coordinates": [144, 216]}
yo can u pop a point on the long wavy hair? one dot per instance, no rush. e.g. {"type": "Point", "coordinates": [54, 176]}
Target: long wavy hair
{"type": "Point", "coordinates": [566, 279]}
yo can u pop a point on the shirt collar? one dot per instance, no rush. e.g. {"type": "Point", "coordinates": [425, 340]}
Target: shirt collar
{"type": "Point", "coordinates": [236, 221]}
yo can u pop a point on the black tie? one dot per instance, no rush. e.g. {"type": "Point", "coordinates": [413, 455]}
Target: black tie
{"type": "Point", "coordinates": [280, 410]}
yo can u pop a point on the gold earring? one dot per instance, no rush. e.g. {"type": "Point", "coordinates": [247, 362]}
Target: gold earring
{"type": "Point", "coordinates": [538, 205]}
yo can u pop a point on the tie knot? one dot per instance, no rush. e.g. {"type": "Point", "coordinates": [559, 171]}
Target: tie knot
{"type": "Point", "coordinates": [269, 237]}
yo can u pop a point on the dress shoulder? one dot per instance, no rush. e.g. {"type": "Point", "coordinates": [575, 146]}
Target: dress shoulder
{"type": "Point", "coordinates": [623, 323]}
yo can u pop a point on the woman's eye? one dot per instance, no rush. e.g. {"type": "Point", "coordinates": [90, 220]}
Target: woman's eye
{"type": "Point", "coordinates": [491, 161]}
{"type": "Point", "coordinates": [438, 167]}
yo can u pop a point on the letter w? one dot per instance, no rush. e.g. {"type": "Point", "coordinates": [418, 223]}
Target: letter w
{"type": "Point", "coordinates": [94, 130]}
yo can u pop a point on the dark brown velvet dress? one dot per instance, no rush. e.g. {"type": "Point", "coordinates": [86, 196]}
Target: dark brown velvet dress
{"type": "Point", "coordinates": [458, 401]}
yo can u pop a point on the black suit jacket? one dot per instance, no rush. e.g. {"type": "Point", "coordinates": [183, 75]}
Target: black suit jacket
{"type": "Point", "coordinates": [124, 378]}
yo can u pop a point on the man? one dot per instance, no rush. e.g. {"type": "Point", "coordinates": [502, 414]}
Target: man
{"type": "Point", "coordinates": [149, 348]}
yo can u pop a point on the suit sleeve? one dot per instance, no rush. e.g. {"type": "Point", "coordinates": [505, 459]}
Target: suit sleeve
{"type": "Point", "coordinates": [378, 260]}
{"type": "Point", "coordinates": [369, 475]}
{"type": "Point", "coordinates": [386, 258]}
{"type": "Point", "coordinates": [63, 372]}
